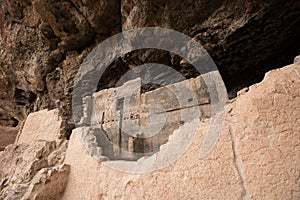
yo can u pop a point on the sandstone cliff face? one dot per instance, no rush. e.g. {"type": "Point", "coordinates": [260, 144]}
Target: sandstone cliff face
{"type": "Point", "coordinates": [43, 43]}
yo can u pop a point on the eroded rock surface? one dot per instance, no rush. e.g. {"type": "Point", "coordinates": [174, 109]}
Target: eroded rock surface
{"type": "Point", "coordinates": [43, 42]}
{"type": "Point", "coordinates": [41, 125]}
{"type": "Point", "coordinates": [42, 45]}
{"type": "Point", "coordinates": [32, 171]}
{"type": "Point", "coordinates": [8, 135]}
{"type": "Point", "coordinates": [33, 168]}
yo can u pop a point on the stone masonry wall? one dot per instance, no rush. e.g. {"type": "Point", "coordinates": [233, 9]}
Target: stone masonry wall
{"type": "Point", "coordinates": [255, 157]}
{"type": "Point", "coordinates": [131, 120]}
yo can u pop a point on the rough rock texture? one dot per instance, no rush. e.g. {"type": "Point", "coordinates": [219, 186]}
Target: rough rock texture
{"type": "Point", "coordinates": [31, 171]}
{"type": "Point", "coordinates": [41, 125]}
{"type": "Point", "coordinates": [43, 42]}
{"type": "Point", "coordinates": [33, 167]}
{"type": "Point", "coordinates": [7, 135]}
{"type": "Point", "coordinates": [267, 143]}
{"type": "Point", "coordinates": [245, 38]}
{"type": "Point", "coordinates": [255, 157]}
{"type": "Point", "coordinates": [297, 59]}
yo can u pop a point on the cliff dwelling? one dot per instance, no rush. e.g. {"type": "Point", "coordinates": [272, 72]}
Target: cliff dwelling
{"type": "Point", "coordinates": [129, 124]}
{"type": "Point", "coordinates": [76, 122]}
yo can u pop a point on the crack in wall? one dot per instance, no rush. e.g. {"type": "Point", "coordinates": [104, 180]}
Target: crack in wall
{"type": "Point", "coordinates": [244, 194]}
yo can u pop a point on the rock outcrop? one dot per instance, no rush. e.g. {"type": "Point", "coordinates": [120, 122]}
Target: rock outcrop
{"type": "Point", "coordinates": [43, 42]}
{"type": "Point", "coordinates": [8, 135]}
{"type": "Point", "coordinates": [41, 125]}
{"type": "Point", "coordinates": [33, 168]}
{"type": "Point", "coordinates": [42, 45]}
